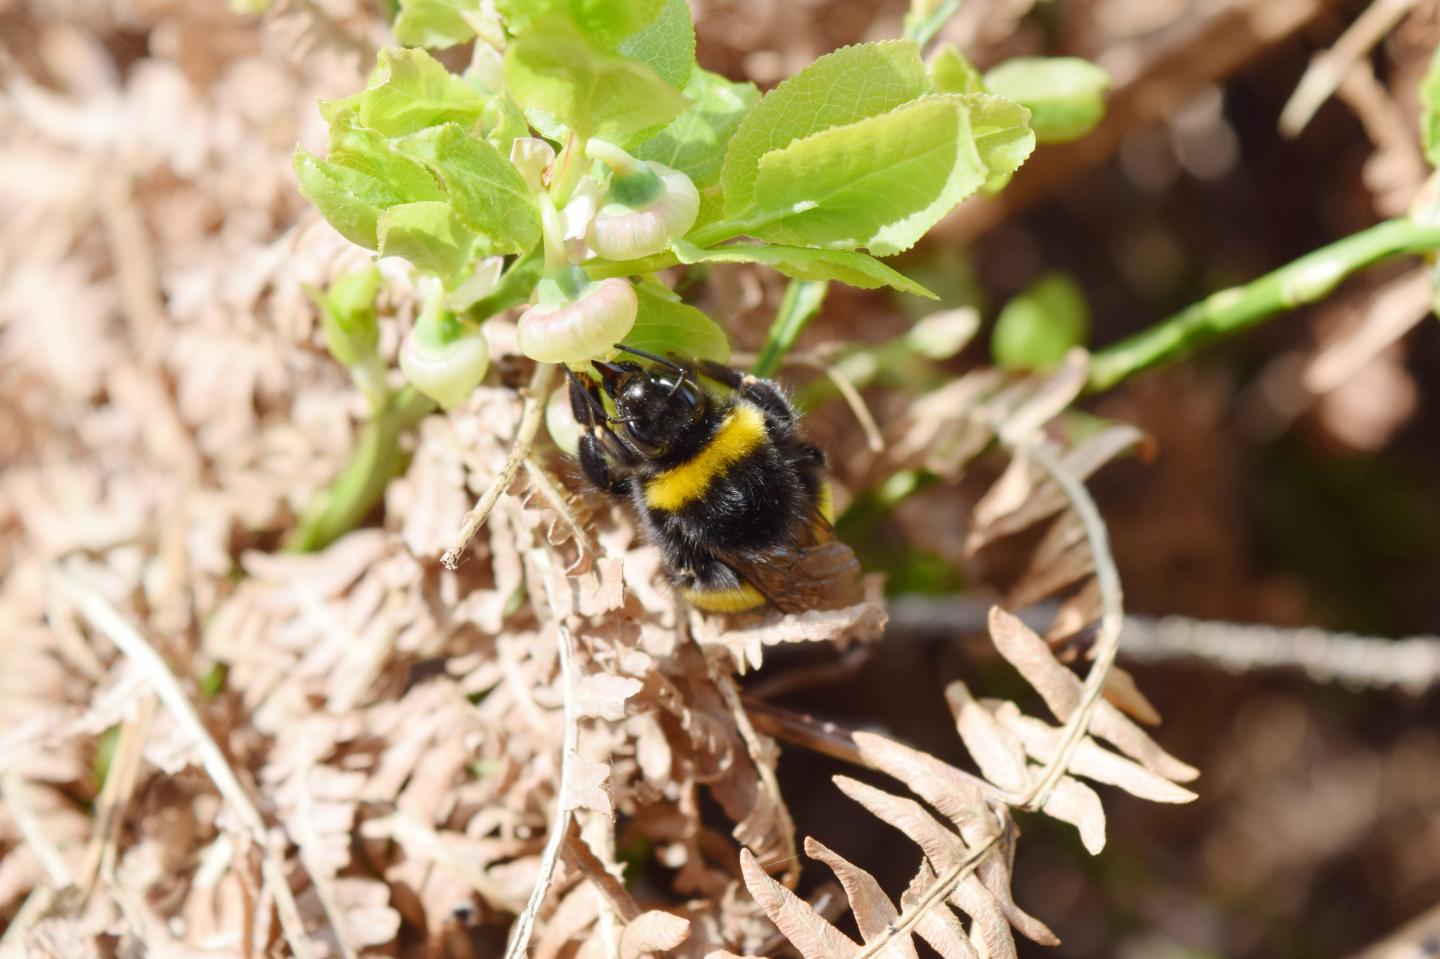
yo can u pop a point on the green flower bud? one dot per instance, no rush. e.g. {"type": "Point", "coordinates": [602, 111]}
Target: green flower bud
{"type": "Point", "coordinates": [444, 357]}
{"type": "Point", "coordinates": [347, 314]}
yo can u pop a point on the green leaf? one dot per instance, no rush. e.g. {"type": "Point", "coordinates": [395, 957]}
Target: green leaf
{"type": "Point", "coordinates": [879, 183]}
{"type": "Point", "coordinates": [342, 196]}
{"type": "Point", "coordinates": [667, 45]}
{"type": "Point", "coordinates": [486, 192]}
{"type": "Point", "coordinates": [802, 263]}
{"type": "Point", "coordinates": [434, 23]}
{"type": "Point", "coordinates": [839, 88]}
{"type": "Point", "coordinates": [1065, 95]}
{"type": "Point", "coordinates": [347, 311]}
{"type": "Point", "coordinates": [365, 151]}
{"type": "Point", "coordinates": [694, 142]}
{"type": "Point", "coordinates": [409, 91]}
{"type": "Point", "coordinates": [556, 70]}
{"type": "Point", "coordinates": [1430, 110]}
{"type": "Point", "coordinates": [605, 22]}
{"type": "Point", "coordinates": [953, 73]}
{"type": "Point", "coordinates": [1040, 325]}
{"type": "Point", "coordinates": [664, 325]}
{"type": "Point", "coordinates": [428, 234]}
{"type": "Point", "coordinates": [1001, 128]}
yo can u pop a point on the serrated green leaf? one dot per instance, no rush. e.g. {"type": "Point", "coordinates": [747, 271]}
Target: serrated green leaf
{"type": "Point", "coordinates": [605, 22]}
{"type": "Point", "coordinates": [486, 192]}
{"type": "Point", "coordinates": [349, 199]}
{"type": "Point", "coordinates": [410, 91]}
{"type": "Point", "coordinates": [365, 151]}
{"type": "Point", "coordinates": [665, 325]}
{"type": "Point", "coordinates": [1040, 325]}
{"type": "Point", "coordinates": [428, 234]}
{"type": "Point", "coordinates": [1065, 95]}
{"type": "Point", "coordinates": [837, 89]}
{"type": "Point", "coordinates": [439, 24]}
{"type": "Point", "coordinates": [667, 45]}
{"type": "Point", "coordinates": [878, 184]}
{"type": "Point", "coordinates": [694, 142]}
{"type": "Point", "coordinates": [1430, 110]}
{"type": "Point", "coordinates": [953, 73]}
{"type": "Point", "coordinates": [802, 263]}
{"type": "Point", "coordinates": [1001, 128]}
{"type": "Point", "coordinates": [553, 68]}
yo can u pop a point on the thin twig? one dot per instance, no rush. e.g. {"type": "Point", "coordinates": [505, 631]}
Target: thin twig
{"type": "Point", "coordinates": [534, 410]}
{"type": "Point", "coordinates": [103, 617]}
{"type": "Point", "coordinates": [307, 841]}
{"type": "Point", "coordinates": [119, 786]}
{"type": "Point", "coordinates": [1112, 619]}
{"type": "Point", "coordinates": [764, 767]}
{"type": "Point", "coordinates": [846, 388]}
{"type": "Point", "coordinates": [1411, 663]}
{"type": "Point", "coordinates": [1327, 69]}
{"type": "Point", "coordinates": [560, 823]}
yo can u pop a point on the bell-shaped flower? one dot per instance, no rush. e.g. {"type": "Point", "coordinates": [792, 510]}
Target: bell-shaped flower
{"type": "Point", "coordinates": [648, 205]}
{"type": "Point", "coordinates": [577, 319]}
{"type": "Point", "coordinates": [443, 356]}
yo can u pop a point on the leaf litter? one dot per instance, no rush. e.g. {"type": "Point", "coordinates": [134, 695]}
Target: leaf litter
{"type": "Point", "coordinates": [351, 749]}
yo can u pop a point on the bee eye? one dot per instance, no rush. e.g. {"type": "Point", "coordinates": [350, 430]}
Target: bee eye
{"type": "Point", "coordinates": [692, 397]}
{"type": "Point", "coordinates": [644, 442]}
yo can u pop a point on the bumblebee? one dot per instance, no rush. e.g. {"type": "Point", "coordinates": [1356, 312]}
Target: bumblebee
{"type": "Point", "coordinates": [720, 480]}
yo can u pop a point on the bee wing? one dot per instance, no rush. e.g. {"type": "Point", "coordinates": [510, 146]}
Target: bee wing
{"type": "Point", "coordinates": [812, 569]}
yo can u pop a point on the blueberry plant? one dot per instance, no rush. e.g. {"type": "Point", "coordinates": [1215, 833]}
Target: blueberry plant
{"type": "Point", "coordinates": [581, 150]}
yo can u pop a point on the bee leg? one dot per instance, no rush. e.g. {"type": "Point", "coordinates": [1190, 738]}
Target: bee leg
{"type": "Point", "coordinates": [763, 393]}
{"type": "Point", "coordinates": [604, 457]}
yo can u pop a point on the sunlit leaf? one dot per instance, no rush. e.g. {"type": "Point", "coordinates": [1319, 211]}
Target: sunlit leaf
{"type": "Point", "coordinates": [410, 91]}
{"type": "Point", "coordinates": [486, 192]}
{"type": "Point", "coordinates": [839, 88]}
{"type": "Point", "coordinates": [953, 73]}
{"type": "Point", "coordinates": [1001, 128]}
{"type": "Point", "coordinates": [554, 69]}
{"type": "Point", "coordinates": [880, 183]}
{"type": "Point", "coordinates": [667, 45]}
{"type": "Point", "coordinates": [606, 22]}
{"type": "Point", "coordinates": [428, 234]}
{"type": "Point", "coordinates": [804, 263]}
{"type": "Point", "coordinates": [434, 23]}
{"type": "Point", "coordinates": [1065, 95]}
{"type": "Point", "coordinates": [665, 325]}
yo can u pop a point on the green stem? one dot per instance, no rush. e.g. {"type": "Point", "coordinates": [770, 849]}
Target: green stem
{"type": "Point", "coordinates": [922, 27]}
{"type": "Point", "coordinates": [376, 460]}
{"type": "Point", "coordinates": [1310, 278]}
{"type": "Point", "coordinates": [802, 301]}
{"type": "Point", "coordinates": [598, 269]}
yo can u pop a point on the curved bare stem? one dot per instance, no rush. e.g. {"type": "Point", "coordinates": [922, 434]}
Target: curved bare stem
{"type": "Point", "coordinates": [560, 824]}
{"type": "Point", "coordinates": [534, 412]}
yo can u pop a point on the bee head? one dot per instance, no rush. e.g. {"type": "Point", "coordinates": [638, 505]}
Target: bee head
{"type": "Point", "coordinates": [655, 408]}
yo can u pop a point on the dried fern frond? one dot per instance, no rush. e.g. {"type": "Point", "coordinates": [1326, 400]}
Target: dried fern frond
{"type": "Point", "coordinates": [1026, 763]}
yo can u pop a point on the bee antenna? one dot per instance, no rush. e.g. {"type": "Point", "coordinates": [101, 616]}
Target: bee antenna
{"type": "Point", "coordinates": [668, 364]}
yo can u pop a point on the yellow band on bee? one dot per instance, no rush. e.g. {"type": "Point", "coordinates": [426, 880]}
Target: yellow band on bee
{"type": "Point", "coordinates": [735, 600]}
{"type": "Point", "coordinates": [742, 432]}
{"type": "Point", "coordinates": [825, 502]}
